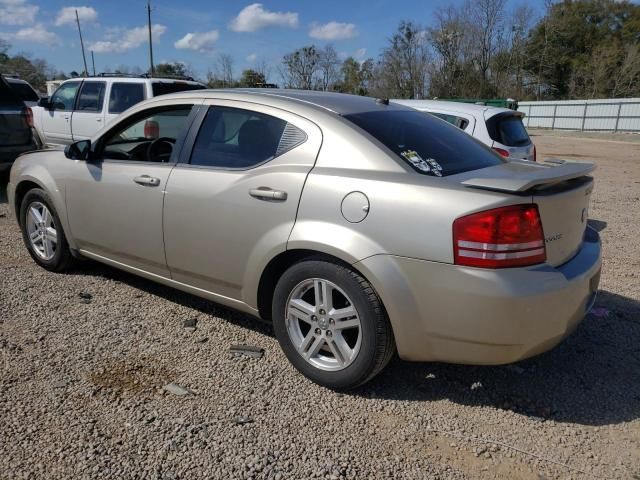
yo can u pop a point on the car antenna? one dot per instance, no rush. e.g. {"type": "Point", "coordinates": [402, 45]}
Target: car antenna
{"type": "Point", "coordinates": [382, 101]}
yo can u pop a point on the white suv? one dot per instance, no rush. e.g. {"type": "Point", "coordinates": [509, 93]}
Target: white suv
{"type": "Point", "coordinates": [499, 128]}
{"type": "Point", "coordinates": [82, 106]}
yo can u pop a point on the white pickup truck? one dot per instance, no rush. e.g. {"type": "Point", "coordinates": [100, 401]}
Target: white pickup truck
{"type": "Point", "coordinates": [82, 106]}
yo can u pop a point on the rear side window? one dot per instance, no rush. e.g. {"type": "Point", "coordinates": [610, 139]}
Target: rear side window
{"type": "Point", "coordinates": [459, 122]}
{"type": "Point", "coordinates": [24, 91]}
{"type": "Point", "coordinates": [508, 130]}
{"type": "Point", "coordinates": [430, 146]}
{"type": "Point", "coordinates": [91, 97]}
{"type": "Point", "coordinates": [125, 95]}
{"type": "Point", "coordinates": [237, 138]}
{"type": "Point", "coordinates": [163, 88]}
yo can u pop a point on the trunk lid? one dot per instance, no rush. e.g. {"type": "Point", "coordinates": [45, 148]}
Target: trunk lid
{"type": "Point", "coordinates": [561, 189]}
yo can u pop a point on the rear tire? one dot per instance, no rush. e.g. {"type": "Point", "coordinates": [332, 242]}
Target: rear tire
{"type": "Point", "coordinates": [42, 232]}
{"type": "Point", "coordinates": [340, 338]}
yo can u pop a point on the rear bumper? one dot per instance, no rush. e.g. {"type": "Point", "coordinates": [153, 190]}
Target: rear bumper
{"type": "Point", "coordinates": [443, 312]}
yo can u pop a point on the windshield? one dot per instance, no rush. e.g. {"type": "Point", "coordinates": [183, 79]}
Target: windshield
{"type": "Point", "coordinates": [163, 88]}
{"type": "Point", "coordinates": [429, 145]}
{"type": "Point", "coordinates": [24, 91]}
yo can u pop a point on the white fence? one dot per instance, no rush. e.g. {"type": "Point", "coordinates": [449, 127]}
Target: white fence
{"type": "Point", "coordinates": [607, 115]}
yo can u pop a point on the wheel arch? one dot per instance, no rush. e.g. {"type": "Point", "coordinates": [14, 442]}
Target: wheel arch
{"type": "Point", "coordinates": [20, 191]}
{"type": "Point", "coordinates": [279, 264]}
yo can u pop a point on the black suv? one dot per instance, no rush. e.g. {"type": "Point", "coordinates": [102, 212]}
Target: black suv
{"type": "Point", "coordinates": [16, 122]}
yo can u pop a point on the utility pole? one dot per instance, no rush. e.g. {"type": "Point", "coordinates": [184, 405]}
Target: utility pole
{"type": "Point", "coordinates": [84, 59]}
{"type": "Point", "coordinates": [93, 62]}
{"type": "Point", "coordinates": [151, 70]}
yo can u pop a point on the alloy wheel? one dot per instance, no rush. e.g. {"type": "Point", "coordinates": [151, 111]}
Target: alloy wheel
{"type": "Point", "coordinates": [42, 231]}
{"type": "Point", "coordinates": [323, 324]}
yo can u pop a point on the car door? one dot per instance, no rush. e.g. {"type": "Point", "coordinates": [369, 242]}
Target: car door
{"type": "Point", "coordinates": [114, 201]}
{"type": "Point", "coordinates": [231, 201]}
{"type": "Point", "coordinates": [56, 120]}
{"type": "Point", "coordinates": [88, 115]}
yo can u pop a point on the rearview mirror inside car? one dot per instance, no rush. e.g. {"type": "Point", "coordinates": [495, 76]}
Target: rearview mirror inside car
{"type": "Point", "coordinates": [79, 150]}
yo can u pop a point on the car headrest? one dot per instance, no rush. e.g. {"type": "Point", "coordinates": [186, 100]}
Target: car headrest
{"type": "Point", "coordinates": [254, 139]}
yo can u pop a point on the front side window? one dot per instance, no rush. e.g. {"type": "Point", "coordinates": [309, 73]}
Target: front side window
{"type": "Point", "coordinates": [64, 98]}
{"type": "Point", "coordinates": [125, 95]}
{"type": "Point", "coordinates": [237, 138]}
{"type": "Point", "coordinates": [430, 146]}
{"type": "Point", "coordinates": [91, 97]}
{"type": "Point", "coordinates": [149, 137]}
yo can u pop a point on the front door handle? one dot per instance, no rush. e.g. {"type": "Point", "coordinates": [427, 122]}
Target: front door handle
{"type": "Point", "coordinates": [147, 181]}
{"type": "Point", "coordinates": [265, 193]}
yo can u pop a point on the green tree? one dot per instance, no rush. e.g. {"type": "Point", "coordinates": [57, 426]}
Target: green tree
{"type": "Point", "coordinates": [174, 69]}
{"type": "Point", "coordinates": [251, 78]}
{"type": "Point", "coordinates": [356, 76]}
{"type": "Point", "coordinates": [581, 47]}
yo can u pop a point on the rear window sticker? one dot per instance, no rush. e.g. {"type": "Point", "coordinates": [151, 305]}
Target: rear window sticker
{"type": "Point", "coordinates": [429, 165]}
{"type": "Point", "coordinates": [435, 167]}
{"type": "Point", "coordinates": [416, 160]}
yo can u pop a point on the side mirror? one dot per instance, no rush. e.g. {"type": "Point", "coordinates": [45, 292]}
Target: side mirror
{"type": "Point", "coordinates": [44, 102]}
{"type": "Point", "coordinates": [79, 150]}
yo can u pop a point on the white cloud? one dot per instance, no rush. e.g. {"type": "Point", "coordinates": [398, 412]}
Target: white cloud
{"type": "Point", "coordinates": [35, 34]}
{"type": "Point", "coordinates": [254, 17]}
{"type": "Point", "coordinates": [333, 31]}
{"type": "Point", "coordinates": [67, 15]}
{"type": "Point", "coordinates": [128, 39]}
{"type": "Point", "coordinates": [202, 42]}
{"type": "Point", "coordinates": [360, 54]}
{"type": "Point", "coordinates": [17, 12]}
{"type": "Point", "coordinates": [252, 57]}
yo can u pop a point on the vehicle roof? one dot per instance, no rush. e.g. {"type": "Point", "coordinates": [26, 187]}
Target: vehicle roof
{"type": "Point", "coordinates": [460, 107]}
{"type": "Point", "coordinates": [15, 80]}
{"type": "Point", "coordinates": [126, 78]}
{"type": "Point", "coordinates": [339, 103]}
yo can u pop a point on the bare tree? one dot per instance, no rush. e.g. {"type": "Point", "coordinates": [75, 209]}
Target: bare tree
{"type": "Point", "coordinates": [486, 24]}
{"type": "Point", "coordinates": [447, 39]}
{"type": "Point", "coordinates": [300, 67]}
{"type": "Point", "coordinates": [262, 67]}
{"type": "Point", "coordinates": [224, 69]}
{"type": "Point", "coordinates": [328, 67]}
{"type": "Point", "coordinates": [404, 65]}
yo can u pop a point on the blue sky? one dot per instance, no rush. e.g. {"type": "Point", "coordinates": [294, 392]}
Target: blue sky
{"type": "Point", "coordinates": [196, 31]}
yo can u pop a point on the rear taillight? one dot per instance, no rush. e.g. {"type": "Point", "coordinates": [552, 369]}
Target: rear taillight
{"type": "Point", "coordinates": [503, 237]}
{"type": "Point", "coordinates": [28, 116]}
{"type": "Point", "coordinates": [501, 151]}
{"type": "Point", "coordinates": [534, 154]}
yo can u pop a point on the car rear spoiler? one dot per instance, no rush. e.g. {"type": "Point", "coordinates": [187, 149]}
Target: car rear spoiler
{"type": "Point", "coordinates": [519, 176]}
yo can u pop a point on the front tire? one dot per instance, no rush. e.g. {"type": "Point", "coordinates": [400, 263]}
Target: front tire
{"type": "Point", "coordinates": [331, 324]}
{"type": "Point", "coordinates": [42, 232]}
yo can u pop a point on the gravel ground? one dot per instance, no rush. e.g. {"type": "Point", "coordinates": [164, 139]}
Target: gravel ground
{"type": "Point", "coordinates": [86, 356]}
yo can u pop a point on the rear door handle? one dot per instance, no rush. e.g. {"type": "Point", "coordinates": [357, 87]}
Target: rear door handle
{"type": "Point", "coordinates": [147, 181]}
{"type": "Point", "coordinates": [265, 193]}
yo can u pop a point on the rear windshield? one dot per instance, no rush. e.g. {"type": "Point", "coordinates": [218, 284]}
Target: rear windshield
{"type": "Point", "coordinates": [24, 91]}
{"type": "Point", "coordinates": [429, 145]}
{"type": "Point", "coordinates": [163, 88]}
{"type": "Point", "coordinates": [7, 96]}
{"type": "Point", "coordinates": [508, 130]}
